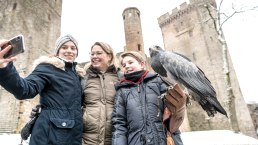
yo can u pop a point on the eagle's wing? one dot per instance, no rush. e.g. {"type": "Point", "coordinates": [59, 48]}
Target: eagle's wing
{"type": "Point", "coordinates": [192, 77]}
{"type": "Point", "coordinates": [187, 73]}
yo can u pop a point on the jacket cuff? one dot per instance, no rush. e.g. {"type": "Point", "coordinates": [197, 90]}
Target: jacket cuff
{"type": "Point", "coordinates": [6, 71]}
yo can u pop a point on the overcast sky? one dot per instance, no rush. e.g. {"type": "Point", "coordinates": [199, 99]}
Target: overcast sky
{"type": "Point", "coordinates": [101, 20]}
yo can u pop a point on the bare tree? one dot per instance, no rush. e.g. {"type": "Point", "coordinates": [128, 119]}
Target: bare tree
{"type": "Point", "coordinates": [219, 19]}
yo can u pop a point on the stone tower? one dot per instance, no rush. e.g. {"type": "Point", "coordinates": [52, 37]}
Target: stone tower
{"type": "Point", "coordinates": [187, 31]}
{"type": "Point", "coordinates": [133, 30]}
{"type": "Point", "coordinates": [39, 22]}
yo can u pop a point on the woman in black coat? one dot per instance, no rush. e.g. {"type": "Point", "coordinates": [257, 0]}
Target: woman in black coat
{"type": "Point", "coordinates": [57, 80]}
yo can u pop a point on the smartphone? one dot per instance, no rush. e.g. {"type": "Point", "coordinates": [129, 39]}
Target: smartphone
{"type": "Point", "coordinates": [17, 44]}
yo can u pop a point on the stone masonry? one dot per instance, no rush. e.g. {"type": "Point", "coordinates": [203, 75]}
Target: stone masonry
{"type": "Point", "coordinates": [133, 30]}
{"type": "Point", "coordinates": [186, 31]}
{"type": "Point", "coordinates": [39, 22]}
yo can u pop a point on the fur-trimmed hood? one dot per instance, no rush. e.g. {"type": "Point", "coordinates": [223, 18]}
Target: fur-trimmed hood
{"type": "Point", "coordinates": [57, 62]}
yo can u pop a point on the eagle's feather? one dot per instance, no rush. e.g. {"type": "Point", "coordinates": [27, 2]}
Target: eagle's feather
{"type": "Point", "coordinates": [179, 68]}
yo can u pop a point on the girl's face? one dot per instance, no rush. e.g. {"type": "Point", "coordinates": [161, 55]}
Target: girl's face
{"type": "Point", "coordinates": [130, 64]}
{"type": "Point", "coordinates": [68, 51]}
{"type": "Point", "coordinates": [99, 58]}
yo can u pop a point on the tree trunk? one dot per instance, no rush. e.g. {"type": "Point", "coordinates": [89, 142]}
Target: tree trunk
{"type": "Point", "coordinates": [231, 97]}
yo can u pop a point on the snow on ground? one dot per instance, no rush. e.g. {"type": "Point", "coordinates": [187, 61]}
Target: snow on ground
{"type": "Point", "coordinates": [11, 139]}
{"type": "Point", "coordinates": [217, 137]}
{"type": "Point", "coordinates": [213, 137]}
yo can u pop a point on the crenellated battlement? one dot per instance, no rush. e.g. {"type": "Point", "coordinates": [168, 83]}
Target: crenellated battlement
{"type": "Point", "coordinates": [183, 9]}
{"type": "Point", "coordinates": [175, 14]}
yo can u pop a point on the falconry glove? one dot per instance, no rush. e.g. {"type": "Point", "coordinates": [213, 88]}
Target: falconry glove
{"type": "Point", "coordinates": [175, 101]}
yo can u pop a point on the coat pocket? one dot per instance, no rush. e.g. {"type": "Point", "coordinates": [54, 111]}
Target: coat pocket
{"type": "Point", "coordinates": [63, 123]}
{"type": "Point", "coordinates": [61, 130]}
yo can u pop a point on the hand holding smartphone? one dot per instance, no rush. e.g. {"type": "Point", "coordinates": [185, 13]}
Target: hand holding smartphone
{"type": "Point", "coordinates": [17, 46]}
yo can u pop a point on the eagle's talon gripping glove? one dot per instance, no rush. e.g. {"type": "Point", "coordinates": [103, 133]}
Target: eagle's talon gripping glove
{"type": "Point", "coordinates": [175, 100]}
{"type": "Point", "coordinates": [27, 129]}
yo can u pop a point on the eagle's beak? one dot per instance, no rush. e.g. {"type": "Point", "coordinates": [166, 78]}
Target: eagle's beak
{"type": "Point", "coordinates": [150, 49]}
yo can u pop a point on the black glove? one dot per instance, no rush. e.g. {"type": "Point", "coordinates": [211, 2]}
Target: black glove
{"type": "Point", "coordinates": [35, 111]}
{"type": "Point", "coordinates": [27, 129]}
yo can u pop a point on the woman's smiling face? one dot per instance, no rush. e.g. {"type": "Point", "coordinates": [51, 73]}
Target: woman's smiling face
{"type": "Point", "coordinates": [99, 58]}
{"type": "Point", "coordinates": [68, 51]}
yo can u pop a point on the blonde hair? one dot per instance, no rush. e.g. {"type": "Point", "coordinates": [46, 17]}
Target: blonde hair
{"type": "Point", "coordinates": [108, 49]}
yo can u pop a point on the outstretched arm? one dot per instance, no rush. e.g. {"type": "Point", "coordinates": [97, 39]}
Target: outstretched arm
{"type": "Point", "coordinates": [23, 88]}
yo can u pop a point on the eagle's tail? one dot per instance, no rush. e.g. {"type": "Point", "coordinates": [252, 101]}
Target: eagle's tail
{"type": "Point", "coordinates": [212, 105]}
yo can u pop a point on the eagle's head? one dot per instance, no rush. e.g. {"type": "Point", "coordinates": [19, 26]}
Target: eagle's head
{"type": "Point", "coordinates": [154, 50]}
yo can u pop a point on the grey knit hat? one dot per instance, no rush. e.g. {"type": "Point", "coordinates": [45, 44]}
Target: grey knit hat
{"type": "Point", "coordinates": [63, 39]}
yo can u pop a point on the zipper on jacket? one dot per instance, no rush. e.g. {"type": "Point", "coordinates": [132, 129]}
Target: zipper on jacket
{"type": "Point", "coordinates": [103, 98]}
{"type": "Point", "coordinates": [145, 108]}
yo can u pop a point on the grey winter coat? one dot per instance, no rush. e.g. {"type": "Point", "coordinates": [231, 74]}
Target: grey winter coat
{"type": "Point", "coordinates": [59, 87]}
{"type": "Point", "coordinates": [137, 114]}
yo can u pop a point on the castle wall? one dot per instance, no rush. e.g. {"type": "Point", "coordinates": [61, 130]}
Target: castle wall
{"type": "Point", "coordinates": [188, 31]}
{"type": "Point", "coordinates": [39, 22]}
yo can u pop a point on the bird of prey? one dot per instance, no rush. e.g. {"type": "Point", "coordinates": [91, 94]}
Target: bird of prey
{"type": "Point", "coordinates": [180, 69]}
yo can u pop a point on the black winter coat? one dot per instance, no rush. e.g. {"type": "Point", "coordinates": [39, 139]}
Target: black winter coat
{"type": "Point", "coordinates": [137, 115]}
{"type": "Point", "coordinates": [60, 122]}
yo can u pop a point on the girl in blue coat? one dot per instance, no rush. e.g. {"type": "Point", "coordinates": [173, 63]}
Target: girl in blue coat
{"type": "Point", "coordinates": [57, 80]}
{"type": "Point", "coordinates": [137, 118]}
